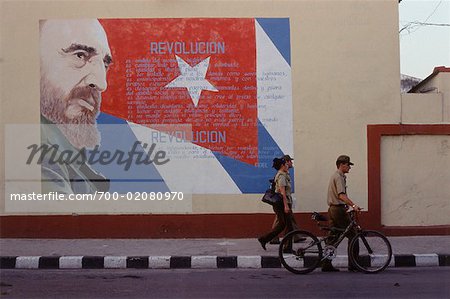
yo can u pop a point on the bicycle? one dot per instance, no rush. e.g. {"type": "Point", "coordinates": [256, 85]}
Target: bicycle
{"type": "Point", "coordinates": [303, 257]}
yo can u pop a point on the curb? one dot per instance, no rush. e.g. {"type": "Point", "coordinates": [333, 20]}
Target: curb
{"type": "Point", "coordinates": [192, 262]}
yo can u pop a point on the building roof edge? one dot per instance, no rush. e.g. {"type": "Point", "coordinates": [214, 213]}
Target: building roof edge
{"type": "Point", "coordinates": [436, 70]}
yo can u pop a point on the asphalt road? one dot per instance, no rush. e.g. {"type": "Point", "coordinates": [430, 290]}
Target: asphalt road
{"type": "Point", "coordinates": [433, 282]}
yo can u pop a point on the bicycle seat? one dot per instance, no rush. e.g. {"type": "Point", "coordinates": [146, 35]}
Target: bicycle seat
{"type": "Point", "coordinates": [316, 216]}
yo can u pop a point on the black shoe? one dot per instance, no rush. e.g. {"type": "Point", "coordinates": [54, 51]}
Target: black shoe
{"type": "Point", "coordinates": [263, 244]}
{"type": "Point", "coordinates": [298, 240]}
{"type": "Point", "coordinates": [329, 269]}
{"type": "Point", "coordinates": [352, 269]}
{"type": "Point", "coordinates": [275, 242]}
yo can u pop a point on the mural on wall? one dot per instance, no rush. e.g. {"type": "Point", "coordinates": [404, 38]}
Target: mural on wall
{"type": "Point", "coordinates": [203, 104]}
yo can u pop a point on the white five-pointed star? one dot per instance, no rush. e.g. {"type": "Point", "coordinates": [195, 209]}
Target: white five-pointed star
{"type": "Point", "coordinates": [193, 78]}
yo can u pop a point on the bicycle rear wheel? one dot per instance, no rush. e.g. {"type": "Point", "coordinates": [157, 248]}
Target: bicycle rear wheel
{"type": "Point", "coordinates": [374, 254]}
{"type": "Point", "coordinates": [300, 252]}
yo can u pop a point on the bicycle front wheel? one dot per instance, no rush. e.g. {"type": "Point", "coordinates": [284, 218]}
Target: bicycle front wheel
{"type": "Point", "coordinates": [370, 251]}
{"type": "Point", "coordinates": [300, 252]}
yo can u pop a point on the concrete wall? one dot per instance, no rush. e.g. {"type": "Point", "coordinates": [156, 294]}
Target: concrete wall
{"type": "Point", "coordinates": [441, 84]}
{"type": "Point", "coordinates": [431, 104]}
{"type": "Point", "coordinates": [345, 73]}
{"type": "Point", "coordinates": [444, 87]}
{"type": "Point", "coordinates": [414, 167]}
{"type": "Point", "coordinates": [415, 180]}
{"type": "Point", "coordinates": [339, 50]}
{"type": "Point", "coordinates": [422, 108]}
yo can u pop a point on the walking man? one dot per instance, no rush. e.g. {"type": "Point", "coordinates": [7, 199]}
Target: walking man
{"type": "Point", "coordinates": [338, 202]}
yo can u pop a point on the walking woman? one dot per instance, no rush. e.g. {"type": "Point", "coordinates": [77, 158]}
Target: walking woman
{"type": "Point", "coordinates": [283, 210]}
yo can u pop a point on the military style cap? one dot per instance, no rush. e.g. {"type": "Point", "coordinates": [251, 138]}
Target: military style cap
{"type": "Point", "coordinates": [344, 159]}
{"type": "Point", "coordinates": [287, 158]}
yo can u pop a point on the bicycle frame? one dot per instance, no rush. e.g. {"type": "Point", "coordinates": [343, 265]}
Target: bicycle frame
{"type": "Point", "coordinates": [305, 257]}
{"type": "Point", "coordinates": [343, 234]}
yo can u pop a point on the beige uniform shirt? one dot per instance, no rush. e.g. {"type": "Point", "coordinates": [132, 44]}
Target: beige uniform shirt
{"type": "Point", "coordinates": [283, 179]}
{"type": "Point", "coordinates": [336, 186]}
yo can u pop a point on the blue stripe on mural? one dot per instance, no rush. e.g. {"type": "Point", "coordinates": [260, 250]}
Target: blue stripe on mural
{"type": "Point", "coordinates": [249, 178]}
{"type": "Point", "coordinates": [277, 29]}
{"type": "Point", "coordinates": [139, 177]}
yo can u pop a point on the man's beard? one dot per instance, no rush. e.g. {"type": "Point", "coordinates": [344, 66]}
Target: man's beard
{"type": "Point", "coordinates": [76, 122]}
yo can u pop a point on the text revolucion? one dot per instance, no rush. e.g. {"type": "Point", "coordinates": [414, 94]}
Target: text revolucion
{"type": "Point", "coordinates": [201, 47]}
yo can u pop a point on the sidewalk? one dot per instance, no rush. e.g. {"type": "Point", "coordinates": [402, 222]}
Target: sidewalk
{"type": "Point", "coordinates": [190, 253]}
